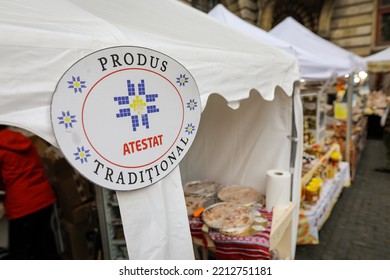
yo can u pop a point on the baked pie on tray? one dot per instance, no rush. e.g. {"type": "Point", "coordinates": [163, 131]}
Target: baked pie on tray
{"type": "Point", "coordinates": [229, 218]}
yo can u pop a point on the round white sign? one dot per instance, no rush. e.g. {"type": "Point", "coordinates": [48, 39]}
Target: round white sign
{"type": "Point", "coordinates": [124, 117]}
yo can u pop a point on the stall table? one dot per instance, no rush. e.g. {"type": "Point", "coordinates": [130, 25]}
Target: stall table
{"type": "Point", "coordinates": [312, 219]}
{"type": "Point", "coordinates": [274, 242]}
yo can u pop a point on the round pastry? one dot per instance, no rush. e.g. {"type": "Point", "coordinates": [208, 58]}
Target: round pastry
{"type": "Point", "coordinates": [201, 188]}
{"type": "Point", "coordinates": [228, 217]}
{"type": "Point", "coordinates": [239, 194]}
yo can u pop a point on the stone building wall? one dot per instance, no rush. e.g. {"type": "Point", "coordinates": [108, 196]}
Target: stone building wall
{"type": "Point", "coordinates": [353, 24]}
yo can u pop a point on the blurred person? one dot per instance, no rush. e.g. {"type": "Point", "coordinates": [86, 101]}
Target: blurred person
{"type": "Point", "coordinates": [385, 122]}
{"type": "Point", "coordinates": [29, 198]}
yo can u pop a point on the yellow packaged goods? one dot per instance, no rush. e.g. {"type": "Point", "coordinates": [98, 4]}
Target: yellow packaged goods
{"type": "Point", "coordinates": [336, 156]}
{"type": "Point", "coordinates": [312, 193]}
{"type": "Point", "coordinates": [335, 159]}
{"type": "Point", "coordinates": [318, 181]}
{"type": "Point", "coordinates": [333, 164]}
{"type": "Point", "coordinates": [239, 194]}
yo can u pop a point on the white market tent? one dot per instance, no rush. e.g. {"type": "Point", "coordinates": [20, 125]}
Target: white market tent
{"type": "Point", "coordinates": [383, 55]}
{"type": "Point", "coordinates": [41, 39]}
{"type": "Point", "coordinates": [312, 66]}
{"type": "Point", "coordinates": [223, 15]}
{"type": "Point", "coordinates": [343, 61]}
{"type": "Point", "coordinates": [379, 62]}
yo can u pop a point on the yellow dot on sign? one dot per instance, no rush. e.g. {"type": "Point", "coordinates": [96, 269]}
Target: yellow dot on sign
{"type": "Point", "coordinates": [138, 105]}
{"type": "Point", "coordinates": [182, 80]}
{"type": "Point", "coordinates": [82, 154]}
{"type": "Point", "coordinates": [67, 119]}
{"type": "Point", "coordinates": [76, 84]}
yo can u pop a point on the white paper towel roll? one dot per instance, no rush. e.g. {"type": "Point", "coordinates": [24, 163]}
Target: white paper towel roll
{"type": "Point", "coordinates": [277, 189]}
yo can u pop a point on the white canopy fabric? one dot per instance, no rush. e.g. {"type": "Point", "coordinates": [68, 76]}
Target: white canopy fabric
{"type": "Point", "coordinates": [223, 15]}
{"type": "Point", "coordinates": [379, 62]}
{"type": "Point", "coordinates": [41, 39]}
{"type": "Point", "coordinates": [312, 67]}
{"type": "Point", "coordinates": [379, 56]}
{"type": "Point", "coordinates": [343, 61]}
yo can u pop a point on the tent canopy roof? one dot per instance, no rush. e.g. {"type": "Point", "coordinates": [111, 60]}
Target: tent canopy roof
{"type": "Point", "coordinates": [379, 56]}
{"type": "Point", "coordinates": [379, 62]}
{"type": "Point", "coordinates": [41, 39]}
{"type": "Point", "coordinates": [343, 61]}
{"type": "Point", "coordinates": [312, 67]}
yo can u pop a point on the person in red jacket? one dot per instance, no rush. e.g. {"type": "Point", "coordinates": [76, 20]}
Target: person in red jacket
{"type": "Point", "coordinates": [29, 198]}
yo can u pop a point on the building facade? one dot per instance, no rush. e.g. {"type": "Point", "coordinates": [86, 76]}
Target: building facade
{"type": "Point", "coordinates": [360, 26]}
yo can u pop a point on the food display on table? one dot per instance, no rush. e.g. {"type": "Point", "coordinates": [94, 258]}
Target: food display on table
{"type": "Point", "coordinates": [194, 203]}
{"type": "Point", "coordinates": [200, 194]}
{"type": "Point", "coordinates": [229, 218]}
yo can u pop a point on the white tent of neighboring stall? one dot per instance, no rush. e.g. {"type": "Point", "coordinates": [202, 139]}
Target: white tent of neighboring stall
{"type": "Point", "coordinates": [344, 61]}
{"type": "Point", "coordinates": [41, 39]}
{"type": "Point", "coordinates": [379, 62]}
{"type": "Point", "coordinates": [222, 14]}
{"type": "Point", "coordinates": [296, 34]}
{"type": "Point", "coordinates": [378, 68]}
{"type": "Point", "coordinates": [312, 66]}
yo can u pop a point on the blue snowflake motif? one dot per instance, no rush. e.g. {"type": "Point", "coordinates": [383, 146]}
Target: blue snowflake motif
{"type": "Point", "coordinates": [67, 119]}
{"type": "Point", "coordinates": [182, 80]}
{"type": "Point", "coordinates": [76, 84]}
{"type": "Point", "coordinates": [139, 106]}
{"type": "Point", "coordinates": [82, 154]}
{"type": "Point", "coordinates": [190, 128]}
{"type": "Point", "coordinates": [192, 104]}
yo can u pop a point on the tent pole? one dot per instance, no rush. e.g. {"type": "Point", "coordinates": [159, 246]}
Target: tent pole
{"type": "Point", "coordinates": [293, 138]}
{"type": "Point", "coordinates": [349, 118]}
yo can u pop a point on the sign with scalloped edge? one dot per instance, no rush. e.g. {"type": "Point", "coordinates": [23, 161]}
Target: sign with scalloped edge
{"type": "Point", "coordinates": [125, 117]}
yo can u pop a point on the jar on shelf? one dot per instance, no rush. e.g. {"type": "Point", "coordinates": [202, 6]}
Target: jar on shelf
{"type": "Point", "coordinates": [335, 159]}
{"type": "Point", "coordinates": [312, 192]}
{"type": "Point", "coordinates": [333, 164]}
{"type": "Point", "coordinates": [319, 182]}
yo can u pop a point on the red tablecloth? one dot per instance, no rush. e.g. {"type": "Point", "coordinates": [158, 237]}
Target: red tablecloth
{"type": "Point", "coordinates": [252, 247]}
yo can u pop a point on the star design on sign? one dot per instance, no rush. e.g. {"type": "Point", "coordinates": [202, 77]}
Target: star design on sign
{"type": "Point", "coordinates": [67, 119]}
{"type": "Point", "coordinates": [190, 128]}
{"type": "Point", "coordinates": [139, 106]}
{"type": "Point", "coordinates": [182, 80]}
{"type": "Point", "coordinates": [192, 104]}
{"type": "Point", "coordinates": [76, 84]}
{"type": "Point", "coordinates": [82, 154]}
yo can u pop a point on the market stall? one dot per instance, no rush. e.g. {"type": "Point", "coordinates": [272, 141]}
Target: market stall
{"type": "Point", "coordinates": [44, 44]}
{"type": "Point", "coordinates": [319, 140]}
{"type": "Point", "coordinates": [344, 62]}
{"type": "Point", "coordinates": [320, 63]}
{"type": "Point", "coordinates": [378, 68]}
